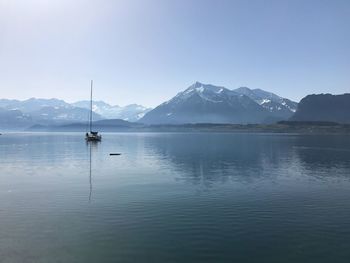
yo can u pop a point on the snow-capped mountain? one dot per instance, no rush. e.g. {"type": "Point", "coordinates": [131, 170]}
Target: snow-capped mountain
{"type": "Point", "coordinates": [204, 103]}
{"type": "Point", "coordinates": [99, 107]}
{"type": "Point", "coordinates": [50, 115]}
{"type": "Point", "coordinates": [18, 113]}
{"type": "Point", "coordinates": [270, 101]}
{"type": "Point", "coordinates": [33, 104]}
{"type": "Point", "coordinates": [14, 119]}
{"type": "Point", "coordinates": [132, 112]}
{"type": "Point", "coordinates": [23, 114]}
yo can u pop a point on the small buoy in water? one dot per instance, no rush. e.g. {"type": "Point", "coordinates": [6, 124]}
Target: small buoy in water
{"type": "Point", "coordinates": [115, 154]}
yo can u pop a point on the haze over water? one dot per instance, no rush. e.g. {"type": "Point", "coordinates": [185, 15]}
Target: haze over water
{"type": "Point", "coordinates": [174, 197]}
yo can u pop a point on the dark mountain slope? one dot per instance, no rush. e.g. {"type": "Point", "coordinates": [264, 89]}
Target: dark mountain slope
{"type": "Point", "coordinates": [324, 107]}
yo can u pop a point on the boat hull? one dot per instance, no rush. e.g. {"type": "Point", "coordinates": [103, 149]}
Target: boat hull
{"type": "Point", "coordinates": [92, 137]}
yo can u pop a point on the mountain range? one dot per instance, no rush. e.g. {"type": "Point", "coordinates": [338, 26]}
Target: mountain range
{"type": "Point", "coordinates": [22, 114]}
{"type": "Point", "coordinates": [205, 103]}
{"type": "Point", "coordinates": [199, 103]}
{"type": "Point", "coordinates": [131, 113]}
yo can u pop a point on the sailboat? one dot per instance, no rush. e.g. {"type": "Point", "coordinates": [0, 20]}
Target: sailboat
{"type": "Point", "coordinates": [92, 136]}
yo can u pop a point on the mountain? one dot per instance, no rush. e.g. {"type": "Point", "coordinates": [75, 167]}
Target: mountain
{"type": "Point", "coordinates": [22, 114]}
{"type": "Point", "coordinates": [99, 107]}
{"type": "Point", "coordinates": [32, 104]}
{"type": "Point", "coordinates": [280, 107]}
{"type": "Point", "coordinates": [51, 115]}
{"type": "Point", "coordinates": [205, 103]}
{"type": "Point", "coordinates": [14, 119]}
{"type": "Point", "coordinates": [132, 112]}
{"type": "Point", "coordinates": [324, 107]}
{"type": "Point", "coordinates": [16, 114]}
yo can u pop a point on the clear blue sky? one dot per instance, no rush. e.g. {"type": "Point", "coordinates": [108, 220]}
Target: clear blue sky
{"type": "Point", "coordinates": [146, 51]}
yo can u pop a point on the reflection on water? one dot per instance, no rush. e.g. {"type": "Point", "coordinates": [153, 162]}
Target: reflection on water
{"type": "Point", "coordinates": [246, 157]}
{"type": "Point", "coordinates": [174, 197]}
{"type": "Point", "coordinates": [203, 157]}
{"type": "Point", "coordinates": [90, 176]}
{"type": "Point", "coordinates": [323, 152]}
{"type": "Point", "coordinates": [92, 145]}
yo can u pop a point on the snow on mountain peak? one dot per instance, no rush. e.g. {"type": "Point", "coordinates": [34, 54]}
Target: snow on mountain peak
{"type": "Point", "coordinates": [263, 101]}
{"type": "Point", "coordinates": [200, 89]}
{"type": "Point", "coordinates": [132, 112]}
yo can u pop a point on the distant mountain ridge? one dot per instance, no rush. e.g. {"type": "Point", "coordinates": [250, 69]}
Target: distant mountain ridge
{"type": "Point", "coordinates": [14, 119]}
{"type": "Point", "coordinates": [19, 114]}
{"type": "Point", "coordinates": [132, 112]}
{"type": "Point", "coordinates": [40, 111]}
{"type": "Point", "coordinates": [32, 104]}
{"type": "Point", "coordinates": [324, 107]}
{"type": "Point", "coordinates": [206, 103]}
{"type": "Point", "coordinates": [269, 100]}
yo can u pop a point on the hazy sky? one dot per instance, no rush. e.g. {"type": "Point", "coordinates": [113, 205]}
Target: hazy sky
{"type": "Point", "coordinates": [146, 51]}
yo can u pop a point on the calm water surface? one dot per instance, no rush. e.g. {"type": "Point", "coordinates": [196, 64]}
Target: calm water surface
{"type": "Point", "coordinates": [174, 197]}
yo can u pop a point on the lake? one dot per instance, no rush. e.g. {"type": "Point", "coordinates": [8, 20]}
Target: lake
{"type": "Point", "coordinates": [174, 197]}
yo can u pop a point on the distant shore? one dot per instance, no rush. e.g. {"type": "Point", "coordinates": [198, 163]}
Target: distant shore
{"type": "Point", "coordinates": [280, 127]}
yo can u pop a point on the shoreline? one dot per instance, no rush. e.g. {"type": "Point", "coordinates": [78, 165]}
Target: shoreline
{"type": "Point", "coordinates": [279, 128]}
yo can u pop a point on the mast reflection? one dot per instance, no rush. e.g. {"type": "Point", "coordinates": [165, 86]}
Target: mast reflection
{"type": "Point", "coordinates": [92, 145]}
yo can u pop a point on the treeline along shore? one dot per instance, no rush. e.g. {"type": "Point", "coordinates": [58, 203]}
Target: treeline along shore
{"type": "Point", "coordinates": [307, 127]}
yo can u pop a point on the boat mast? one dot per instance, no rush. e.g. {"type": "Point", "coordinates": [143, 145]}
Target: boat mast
{"type": "Point", "coordinates": [91, 108]}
